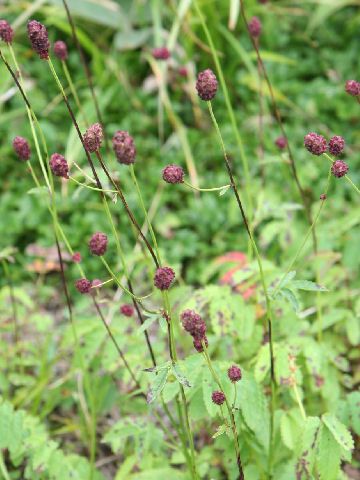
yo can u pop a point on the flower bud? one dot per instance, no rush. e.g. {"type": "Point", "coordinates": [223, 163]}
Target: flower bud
{"type": "Point", "coordinates": [336, 145]}
{"type": "Point", "coordinates": [206, 84]}
{"type": "Point", "coordinates": [173, 174]}
{"type": "Point", "coordinates": [98, 244]}
{"type": "Point", "coordinates": [164, 277]}
{"type": "Point", "coordinates": [6, 32]}
{"type": "Point", "coordinates": [22, 148]}
{"type": "Point", "coordinates": [315, 144]}
{"type": "Point", "coordinates": [339, 168]}
{"type": "Point", "coordinates": [59, 165]}
{"type": "Point", "coordinates": [124, 147]}
{"type": "Point", "coordinates": [60, 50]}
{"type": "Point", "coordinates": [218, 397]}
{"type": "Point", "coordinates": [39, 38]}
{"type": "Point", "coordinates": [93, 137]}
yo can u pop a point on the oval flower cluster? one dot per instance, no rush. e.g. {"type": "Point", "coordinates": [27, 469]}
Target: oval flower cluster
{"type": "Point", "coordinates": [317, 145]}
{"type": "Point", "coordinates": [195, 325]}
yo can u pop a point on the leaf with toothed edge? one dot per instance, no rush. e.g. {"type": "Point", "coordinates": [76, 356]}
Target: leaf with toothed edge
{"type": "Point", "coordinates": [157, 385]}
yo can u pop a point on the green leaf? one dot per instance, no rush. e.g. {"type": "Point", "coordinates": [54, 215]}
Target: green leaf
{"type": "Point", "coordinates": [353, 401]}
{"type": "Point", "coordinates": [288, 277]}
{"type": "Point", "coordinates": [328, 455]}
{"type": "Point", "coordinates": [290, 428]}
{"type": "Point", "coordinates": [148, 322]}
{"type": "Point", "coordinates": [307, 285]}
{"type": "Point", "coordinates": [181, 378]}
{"type": "Point", "coordinates": [254, 408]}
{"type": "Point", "coordinates": [38, 191]}
{"type": "Point", "coordinates": [339, 431]}
{"type": "Point", "coordinates": [290, 296]}
{"type": "Point", "coordinates": [305, 446]}
{"type": "Point", "coordinates": [157, 385]}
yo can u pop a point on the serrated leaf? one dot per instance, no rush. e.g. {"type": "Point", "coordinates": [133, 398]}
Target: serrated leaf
{"type": "Point", "coordinates": [288, 277]}
{"type": "Point", "coordinates": [328, 455]}
{"type": "Point", "coordinates": [254, 409]}
{"type": "Point", "coordinates": [262, 365]}
{"type": "Point", "coordinates": [308, 286]}
{"type": "Point", "coordinates": [180, 376]}
{"type": "Point", "coordinates": [353, 401]}
{"type": "Point", "coordinates": [339, 431]}
{"type": "Point", "coordinates": [305, 447]}
{"type": "Point", "coordinates": [290, 296]}
{"type": "Point", "coordinates": [290, 428]}
{"type": "Point", "coordinates": [157, 385]}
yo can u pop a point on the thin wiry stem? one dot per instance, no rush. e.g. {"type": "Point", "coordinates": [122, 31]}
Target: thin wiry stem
{"type": "Point", "coordinates": [281, 125]}
{"type": "Point", "coordinates": [262, 276]}
{"type": "Point", "coordinates": [229, 409]}
{"type": "Point", "coordinates": [86, 67]}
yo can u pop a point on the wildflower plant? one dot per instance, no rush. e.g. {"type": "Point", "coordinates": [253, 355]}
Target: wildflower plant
{"type": "Point", "coordinates": [226, 358]}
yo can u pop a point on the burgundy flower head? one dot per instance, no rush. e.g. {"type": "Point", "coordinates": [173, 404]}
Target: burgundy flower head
{"type": "Point", "coordinates": [339, 168]}
{"type": "Point", "coordinates": [255, 27]}
{"type": "Point", "coordinates": [164, 277]}
{"type": "Point", "coordinates": [173, 174]}
{"type": "Point", "coordinates": [98, 244]}
{"type": "Point", "coordinates": [315, 144]}
{"type": "Point", "coordinates": [76, 258]}
{"type": "Point", "coordinates": [193, 323]}
{"type": "Point", "coordinates": [336, 145]}
{"type": "Point", "coordinates": [234, 373]}
{"type": "Point", "coordinates": [161, 53]}
{"type": "Point", "coordinates": [352, 87]}
{"type": "Point", "coordinates": [6, 32]}
{"type": "Point", "coordinates": [60, 50]}
{"type": "Point", "coordinates": [323, 196]}
{"type": "Point", "coordinates": [83, 285]}
{"type": "Point", "coordinates": [218, 397]}
{"type": "Point", "coordinates": [127, 310]}
{"type": "Point", "coordinates": [39, 38]}
{"type": "Point", "coordinates": [206, 84]}
{"type": "Point", "coordinates": [198, 343]}
{"type": "Point", "coordinates": [124, 147]}
{"type": "Point", "coordinates": [59, 165]}
{"type": "Point", "coordinates": [93, 137]}
{"type": "Point", "coordinates": [281, 142]}
{"type": "Point", "coordinates": [22, 148]}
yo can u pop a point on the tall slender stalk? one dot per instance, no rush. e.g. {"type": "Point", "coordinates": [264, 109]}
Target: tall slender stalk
{"type": "Point", "coordinates": [229, 409]}
{"type": "Point", "coordinates": [85, 66]}
{"type": "Point", "coordinates": [12, 301]}
{"type": "Point", "coordinates": [245, 164]}
{"type": "Point", "coordinates": [281, 125]}
{"type": "Point", "coordinates": [262, 277]}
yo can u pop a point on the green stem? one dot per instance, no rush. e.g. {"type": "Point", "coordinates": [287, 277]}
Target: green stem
{"type": "Point", "coordinates": [262, 278]}
{"type": "Point", "coordinates": [91, 188]}
{"type": "Point", "coordinates": [74, 92]}
{"type": "Point", "coordinates": [229, 409]}
{"type": "Point", "coordinates": [151, 230]}
{"type": "Point", "coordinates": [230, 110]}
{"type": "Point", "coordinates": [215, 189]}
{"type": "Point", "coordinates": [107, 266]}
